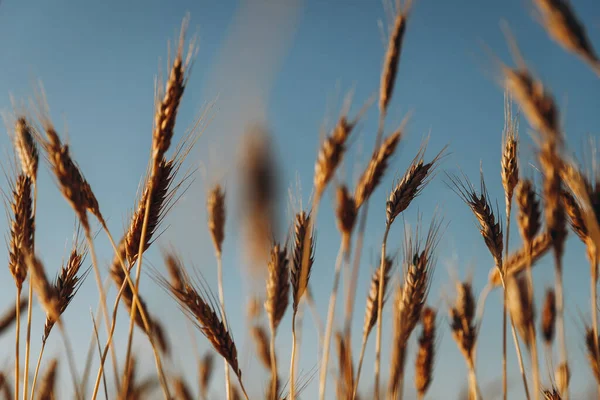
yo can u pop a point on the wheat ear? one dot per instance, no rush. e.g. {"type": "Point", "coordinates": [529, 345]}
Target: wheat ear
{"type": "Point", "coordinates": [26, 149]}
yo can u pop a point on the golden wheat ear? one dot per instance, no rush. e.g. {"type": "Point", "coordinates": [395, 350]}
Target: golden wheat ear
{"type": "Point", "coordinates": [199, 304]}
{"type": "Point", "coordinates": [563, 25]}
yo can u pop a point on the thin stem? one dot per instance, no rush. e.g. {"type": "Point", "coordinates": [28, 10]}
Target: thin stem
{"type": "Point", "coordinates": [474, 393]}
{"type": "Point", "coordinates": [504, 344]}
{"type": "Point", "coordinates": [514, 335]}
{"type": "Point", "coordinates": [329, 324]}
{"type": "Point", "coordinates": [274, 363]}
{"type": "Point", "coordinates": [560, 314]}
{"type": "Point", "coordinates": [101, 292]}
{"type": "Point", "coordinates": [533, 350]}
{"type": "Point", "coordinates": [29, 309]}
{"type": "Point", "coordinates": [108, 342]}
{"type": "Point", "coordinates": [360, 363]}
{"type": "Point", "coordinates": [90, 352]}
{"type": "Point", "coordinates": [354, 274]}
{"type": "Point", "coordinates": [100, 353]}
{"type": "Point", "coordinates": [222, 302]}
{"type": "Point", "coordinates": [243, 388]}
{"type": "Point", "coordinates": [399, 391]}
{"type": "Point", "coordinates": [380, 308]}
{"type": "Point", "coordinates": [37, 369]}
{"type": "Point", "coordinates": [315, 315]}
{"type": "Point", "coordinates": [130, 334]}
{"type": "Point", "coordinates": [70, 359]}
{"type": "Point", "coordinates": [535, 366]}
{"type": "Point", "coordinates": [293, 359]}
{"type": "Point", "coordinates": [143, 316]}
{"type": "Point", "coordinates": [18, 334]}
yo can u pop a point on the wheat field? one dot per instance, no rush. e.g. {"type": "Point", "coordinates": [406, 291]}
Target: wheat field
{"type": "Point", "coordinates": [128, 313]}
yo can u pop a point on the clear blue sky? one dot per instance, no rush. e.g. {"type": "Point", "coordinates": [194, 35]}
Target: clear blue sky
{"type": "Point", "coordinates": [291, 65]}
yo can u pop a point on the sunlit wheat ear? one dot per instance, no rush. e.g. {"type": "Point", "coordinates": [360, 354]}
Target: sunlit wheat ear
{"type": "Point", "coordinates": [346, 212]}
{"type": "Point", "coordinates": [259, 194]}
{"type": "Point", "coordinates": [345, 367]}
{"type": "Point", "coordinates": [278, 285]}
{"type": "Point", "coordinates": [479, 203]}
{"type": "Point", "coordinates": [26, 148]}
{"type": "Point", "coordinates": [164, 194]}
{"type": "Point", "coordinates": [517, 261]}
{"type": "Point", "coordinates": [566, 29]}
{"type": "Point", "coordinates": [46, 292]}
{"type": "Point", "coordinates": [425, 360]}
{"type": "Point", "coordinates": [216, 216]}
{"type": "Point", "coordinates": [301, 225]}
{"type": "Point", "coordinates": [198, 304]}
{"type": "Point", "coordinates": [562, 377]}
{"type": "Point", "coordinates": [181, 389]}
{"type": "Point", "coordinates": [22, 227]}
{"type": "Point", "coordinates": [371, 307]}
{"type": "Point", "coordinates": [521, 307]}
{"type": "Point", "coordinates": [392, 56]}
{"type": "Point", "coordinates": [6, 386]}
{"type": "Point", "coordinates": [529, 218]}
{"type": "Point", "coordinates": [9, 316]}
{"type": "Point", "coordinates": [376, 168]}
{"type": "Point", "coordinates": [49, 379]}
{"type": "Point", "coordinates": [68, 281]}
{"type": "Point", "coordinates": [261, 342]}
{"type": "Point", "coordinates": [331, 154]}
{"type": "Point", "coordinates": [536, 102]}
{"type": "Point", "coordinates": [573, 210]}
{"type": "Point", "coordinates": [510, 159]}
{"type": "Point", "coordinates": [205, 370]}
{"type": "Point", "coordinates": [591, 353]}
{"type": "Point", "coordinates": [416, 177]}
{"type": "Point", "coordinates": [76, 190]}
{"type": "Point", "coordinates": [167, 99]}
{"type": "Point", "coordinates": [548, 323]}
{"type": "Point", "coordinates": [410, 297]}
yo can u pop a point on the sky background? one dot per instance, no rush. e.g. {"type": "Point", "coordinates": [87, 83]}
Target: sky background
{"type": "Point", "coordinates": [289, 64]}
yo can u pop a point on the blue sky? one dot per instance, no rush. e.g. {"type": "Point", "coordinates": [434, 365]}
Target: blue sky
{"type": "Point", "coordinates": [289, 64]}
